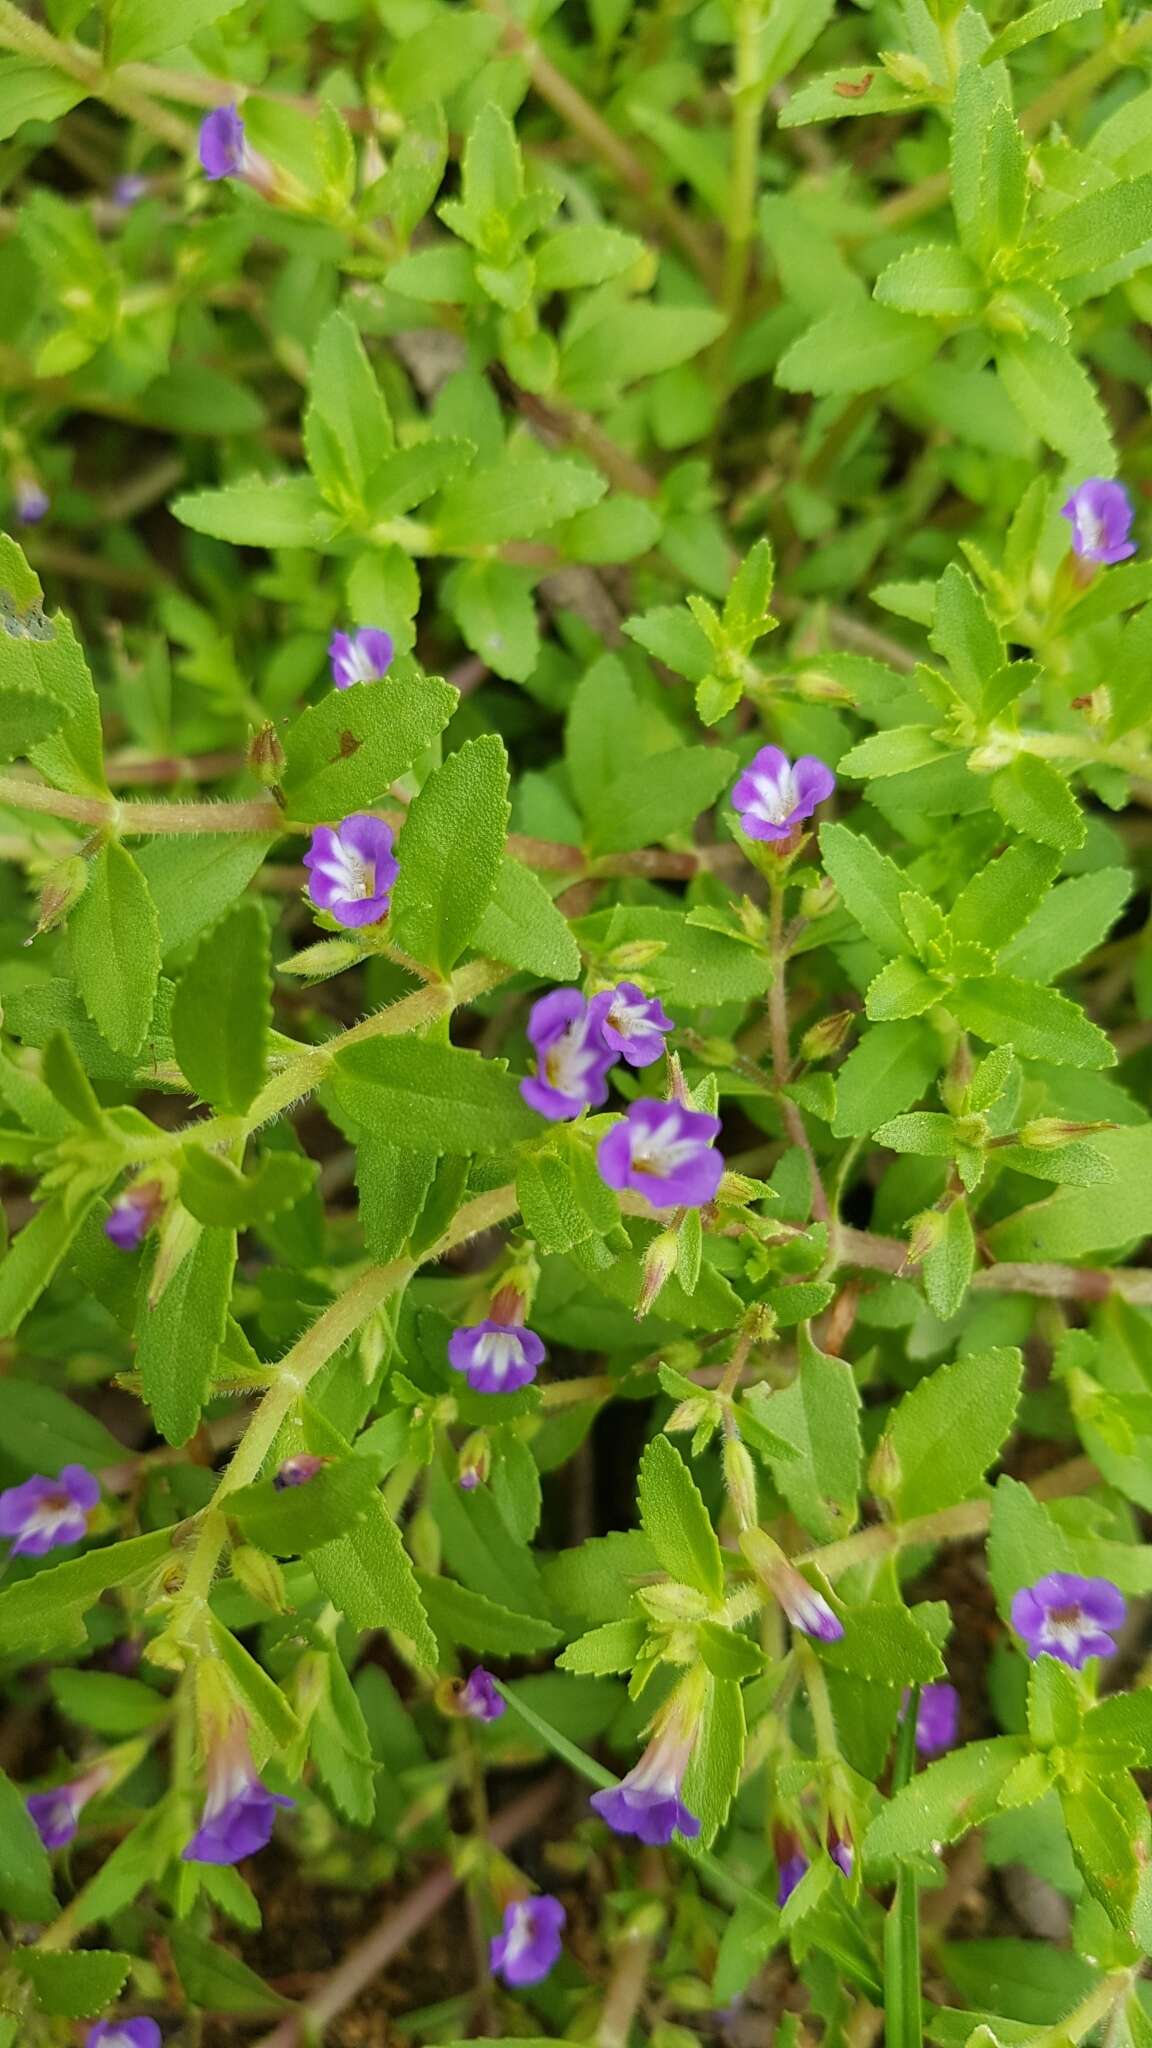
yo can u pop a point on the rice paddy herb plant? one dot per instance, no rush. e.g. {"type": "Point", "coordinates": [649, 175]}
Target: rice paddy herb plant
{"type": "Point", "coordinates": [576, 677]}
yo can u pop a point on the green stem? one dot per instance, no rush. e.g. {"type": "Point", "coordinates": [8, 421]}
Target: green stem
{"type": "Point", "coordinates": [903, 2022]}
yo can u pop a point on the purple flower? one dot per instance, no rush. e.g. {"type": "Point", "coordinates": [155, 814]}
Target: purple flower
{"type": "Point", "coordinates": [631, 1024]}
{"type": "Point", "coordinates": [353, 869]}
{"type": "Point", "coordinates": [43, 1514]}
{"type": "Point", "coordinates": [774, 793]}
{"type": "Point", "coordinates": [30, 501]}
{"type": "Point", "coordinates": [1067, 1617]}
{"type": "Point", "coordinates": [478, 1697]}
{"type": "Point", "coordinates": [1101, 516]}
{"type": "Point", "coordinates": [530, 1942]}
{"type": "Point", "coordinates": [789, 1873]}
{"type": "Point", "coordinates": [497, 1357]}
{"type": "Point", "coordinates": [840, 1850]}
{"type": "Point", "coordinates": [132, 1215]}
{"type": "Point", "coordinates": [123, 2034]}
{"type": "Point", "coordinates": [57, 1813]}
{"type": "Point", "coordinates": [223, 150]}
{"type": "Point", "coordinates": [360, 657]}
{"type": "Point", "coordinates": [571, 1058]}
{"type": "Point", "coordinates": [664, 1151]}
{"type": "Point", "coordinates": [937, 1718]}
{"type": "Point", "coordinates": [647, 1802]}
{"type": "Point", "coordinates": [128, 189]}
{"type": "Point", "coordinates": [297, 1471]}
{"type": "Point", "coordinates": [238, 1809]}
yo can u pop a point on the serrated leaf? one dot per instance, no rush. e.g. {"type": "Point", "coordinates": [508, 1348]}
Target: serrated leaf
{"type": "Point", "coordinates": [1033, 797]}
{"type": "Point", "coordinates": [180, 1337]}
{"type": "Point", "coordinates": [450, 851]}
{"type": "Point", "coordinates": [344, 752]}
{"type": "Point", "coordinates": [819, 1416]}
{"type": "Point", "coordinates": [523, 927]}
{"type": "Point", "coordinates": [675, 1520]}
{"type": "Point", "coordinates": [222, 1011]}
{"type": "Point", "coordinates": [114, 937]}
{"type": "Point", "coordinates": [945, 1433]}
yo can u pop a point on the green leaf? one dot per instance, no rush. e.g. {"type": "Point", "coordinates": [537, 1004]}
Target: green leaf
{"type": "Point", "coordinates": [1055, 1709]}
{"type": "Point", "coordinates": [1073, 919]}
{"type": "Point", "coordinates": [633, 341]}
{"type": "Point", "coordinates": [675, 1520]}
{"type": "Point", "coordinates": [215, 1980]}
{"type": "Point", "coordinates": [963, 632]}
{"type": "Point", "coordinates": [347, 429]}
{"type": "Point", "coordinates": [870, 885]}
{"type": "Point", "coordinates": [111, 1705]}
{"type": "Point", "coordinates": [497, 617]}
{"type": "Point", "coordinates": [450, 852]}
{"type": "Point", "coordinates": [416, 1093]}
{"type": "Point", "coordinates": [670, 632]}
{"type": "Point", "coordinates": [523, 927]}
{"type": "Point", "coordinates": [944, 1801]}
{"type": "Point", "coordinates": [223, 1009]}
{"type": "Point", "coordinates": [1055, 396]}
{"type": "Point", "coordinates": [468, 1620]}
{"type": "Point", "coordinates": [75, 1986]}
{"type": "Point", "coordinates": [893, 752]}
{"type": "Point", "coordinates": [945, 1433]}
{"type": "Point", "coordinates": [1024, 1542]}
{"type": "Point", "coordinates": [34, 92]}
{"type": "Point", "coordinates": [561, 1196]}
{"type": "Point", "coordinates": [286, 512]}
{"type": "Point", "coordinates": [884, 1074]}
{"type": "Point", "coordinates": [575, 257]}
{"type": "Point", "coordinates": [1105, 1850]}
{"type": "Point", "coordinates": [657, 798]}
{"type": "Point", "coordinates": [1038, 21]}
{"type": "Point", "coordinates": [1077, 1221]}
{"type": "Point", "coordinates": [216, 1192]}
{"type": "Point", "coordinates": [368, 1575]}
{"type": "Point", "coordinates": [35, 1256]}
{"type": "Point", "coordinates": [712, 1779]}
{"type": "Point", "coordinates": [819, 1417]}
{"type": "Point", "coordinates": [1033, 797]}
{"type": "Point", "coordinates": [25, 1872]}
{"type": "Point", "coordinates": [902, 989]}
{"type": "Point", "coordinates": [192, 880]}
{"type": "Point", "coordinates": [114, 936]}
{"type": "Point", "coordinates": [1099, 231]}
{"type": "Point", "coordinates": [1002, 896]}
{"type": "Point", "coordinates": [614, 1647]}
{"type": "Point", "coordinates": [1037, 1022]}
{"type": "Point", "coordinates": [141, 30]}
{"type": "Point", "coordinates": [392, 1182]}
{"type": "Point", "coordinates": [938, 280]}
{"type": "Point", "coordinates": [949, 1262]}
{"type": "Point", "coordinates": [45, 1612]}
{"type": "Point", "coordinates": [884, 1643]}
{"type": "Point", "coordinates": [522, 494]}
{"type": "Point", "coordinates": [26, 716]}
{"type": "Point", "coordinates": [344, 753]}
{"type": "Point", "coordinates": [42, 654]}
{"type": "Point", "coordinates": [298, 1519]}
{"type": "Point", "coordinates": [861, 349]}
{"type": "Point", "coordinates": [43, 1430]}
{"type": "Point", "coordinates": [180, 1337]}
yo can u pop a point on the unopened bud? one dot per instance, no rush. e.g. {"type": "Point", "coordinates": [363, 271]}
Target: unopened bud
{"type": "Point", "coordinates": [740, 1480]}
{"type": "Point", "coordinates": [827, 1036]}
{"type": "Point", "coordinates": [474, 1462]}
{"type": "Point", "coordinates": [310, 1683]}
{"type": "Point", "coordinates": [1050, 1131]}
{"type": "Point", "coordinates": [690, 1414]}
{"type": "Point", "coordinates": [637, 953]}
{"type": "Point", "coordinates": [885, 1471]}
{"type": "Point", "coordinates": [507, 1306]}
{"type": "Point", "coordinates": [659, 1265]}
{"type": "Point", "coordinates": [818, 900]}
{"type": "Point", "coordinates": [266, 756]}
{"type": "Point", "coordinates": [927, 1232]}
{"type": "Point", "coordinates": [909, 71]}
{"type": "Point", "coordinates": [59, 893]}
{"type": "Point", "coordinates": [260, 1575]}
{"type": "Point", "coordinates": [424, 1540]}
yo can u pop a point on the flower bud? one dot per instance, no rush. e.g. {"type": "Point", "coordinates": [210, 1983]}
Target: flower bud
{"type": "Point", "coordinates": [474, 1462]}
{"type": "Point", "coordinates": [659, 1265]}
{"type": "Point", "coordinates": [818, 900]}
{"type": "Point", "coordinates": [885, 1471]}
{"type": "Point", "coordinates": [827, 1036]}
{"type": "Point", "coordinates": [740, 1480]}
{"type": "Point", "coordinates": [637, 953]}
{"type": "Point", "coordinates": [1049, 1131]}
{"type": "Point", "coordinates": [690, 1414]}
{"type": "Point", "coordinates": [260, 1575]}
{"type": "Point", "coordinates": [266, 756]}
{"type": "Point", "coordinates": [909, 71]}
{"type": "Point", "coordinates": [60, 891]}
{"type": "Point", "coordinates": [926, 1234]}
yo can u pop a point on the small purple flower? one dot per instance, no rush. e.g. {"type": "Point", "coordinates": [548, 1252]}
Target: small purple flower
{"type": "Point", "coordinates": [631, 1024]}
{"type": "Point", "coordinates": [1068, 1617]}
{"type": "Point", "coordinates": [478, 1697]}
{"type": "Point", "coordinates": [128, 189]}
{"type": "Point", "coordinates": [937, 1718]}
{"type": "Point", "coordinates": [572, 1061]}
{"type": "Point", "coordinates": [30, 501]}
{"type": "Point", "coordinates": [360, 657]}
{"type": "Point", "coordinates": [123, 2034]}
{"type": "Point", "coordinates": [647, 1802]}
{"type": "Point", "coordinates": [297, 1471]}
{"type": "Point", "coordinates": [774, 793]}
{"type": "Point", "coordinates": [789, 1873]}
{"type": "Point", "coordinates": [530, 1942]}
{"type": "Point", "coordinates": [56, 1814]}
{"type": "Point", "coordinates": [239, 1810]}
{"type": "Point", "coordinates": [468, 1481]}
{"type": "Point", "coordinates": [664, 1151]}
{"type": "Point", "coordinates": [497, 1357]}
{"type": "Point", "coordinates": [840, 1850]}
{"type": "Point", "coordinates": [806, 1609]}
{"type": "Point", "coordinates": [353, 869]}
{"type": "Point", "coordinates": [1101, 515]}
{"type": "Point", "coordinates": [132, 1215]}
{"type": "Point", "coordinates": [43, 1514]}
{"type": "Point", "coordinates": [223, 150]}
